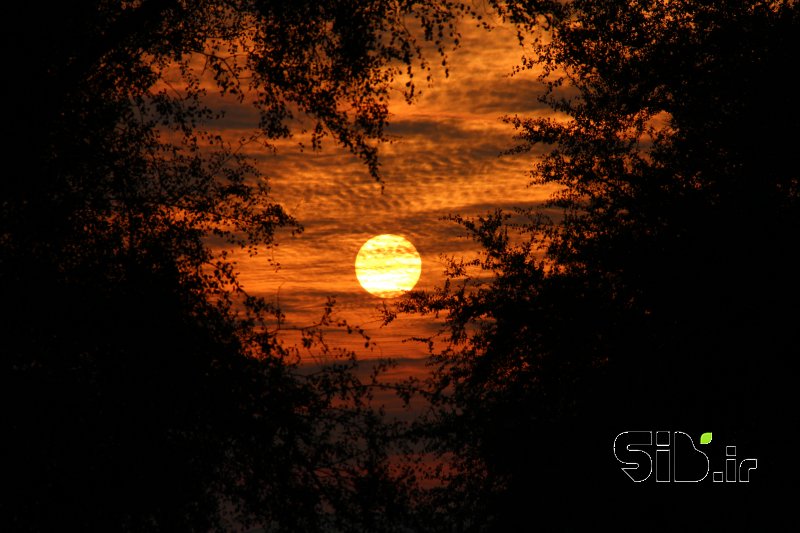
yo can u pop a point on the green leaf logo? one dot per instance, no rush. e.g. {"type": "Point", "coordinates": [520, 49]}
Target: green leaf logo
{"type": "Point", "coordinates": [705, 438]}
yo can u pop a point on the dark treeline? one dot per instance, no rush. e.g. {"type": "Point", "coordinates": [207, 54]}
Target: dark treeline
{"type": "Point", "coordinates": [144, 391]}
{"type": "Point", "coordinates": [665, 297]}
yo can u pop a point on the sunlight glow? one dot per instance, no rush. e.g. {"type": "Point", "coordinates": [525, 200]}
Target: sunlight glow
{"type": "Point", "coordinates": [388, 265]}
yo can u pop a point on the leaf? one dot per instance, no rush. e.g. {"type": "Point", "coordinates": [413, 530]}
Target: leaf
{"type": "Point", "coordinates": [705, 438]}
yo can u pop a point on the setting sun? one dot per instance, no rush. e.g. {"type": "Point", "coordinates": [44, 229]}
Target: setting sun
{"type": "Point", "coordinates": [388, 265]}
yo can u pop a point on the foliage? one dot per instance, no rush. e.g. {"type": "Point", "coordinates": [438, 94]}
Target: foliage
{"type": "Point", "coordinates": [664, 294]}
{"type": "Point", "coordinates": [143, 388]}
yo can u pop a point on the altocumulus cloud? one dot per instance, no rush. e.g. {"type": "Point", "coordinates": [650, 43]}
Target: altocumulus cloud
{"type": "Point", "coordinates": [445, 158]}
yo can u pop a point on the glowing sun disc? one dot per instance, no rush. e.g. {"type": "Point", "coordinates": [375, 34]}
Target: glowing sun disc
{"type": "Point", "coordinates": [388, 265]}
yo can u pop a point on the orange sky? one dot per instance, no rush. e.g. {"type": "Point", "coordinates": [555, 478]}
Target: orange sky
{"type": "Point", "coordinates": [445, 159]}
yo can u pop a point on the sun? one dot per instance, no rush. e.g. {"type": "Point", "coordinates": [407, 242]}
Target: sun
{"type": "Point", "coordinates": [388, 265]}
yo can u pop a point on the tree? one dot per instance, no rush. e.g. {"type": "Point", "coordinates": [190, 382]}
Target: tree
{"type": "Point", "coordinates": [664, 295]}
{"type": "Point", "coordinates": [143, 389]}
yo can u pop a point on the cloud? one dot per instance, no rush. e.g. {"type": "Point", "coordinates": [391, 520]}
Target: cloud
{"type": "Point", "coordinates": [445, 158]}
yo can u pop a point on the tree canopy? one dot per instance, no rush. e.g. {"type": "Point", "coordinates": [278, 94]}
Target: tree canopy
{"type": "Point", "coordinates": [143, 389]}
{"type": "Point", "coordinates": [663, 294]}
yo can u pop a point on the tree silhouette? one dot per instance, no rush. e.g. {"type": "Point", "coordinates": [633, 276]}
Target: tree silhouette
{"type": "Point", "coordinates": [664, 295]}
{"type": "Point", "coordinates": [143, 389]}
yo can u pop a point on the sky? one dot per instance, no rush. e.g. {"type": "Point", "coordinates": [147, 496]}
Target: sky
{"type": "Point", "coordinates": [444, 158]}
